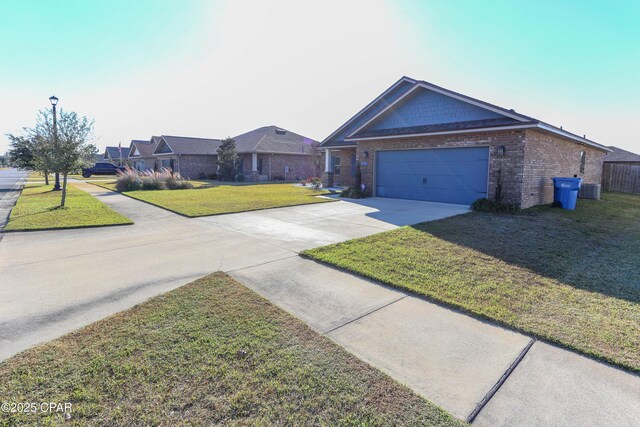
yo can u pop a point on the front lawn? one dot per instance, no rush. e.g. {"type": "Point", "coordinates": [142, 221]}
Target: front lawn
{"type": "Point", "coordinates": [568, 277]}
{"type": "Point", "coordinates": [38, 208]}
{"type": "Point", "coordinates": [209, 353]}
{"type": "Point", "coordinates": [226, 198]}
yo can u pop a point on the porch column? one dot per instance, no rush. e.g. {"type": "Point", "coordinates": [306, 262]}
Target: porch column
{"type": "Point", "coordinates": [327, 160]}
{"type": "Point", "coordinates": [254, 162]}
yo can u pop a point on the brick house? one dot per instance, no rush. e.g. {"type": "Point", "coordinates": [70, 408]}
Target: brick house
{"type": "Point", "coordinates": [620, 156]}
{"type": "Point", "coordinates": [193, 158]}
{"type": "Point", "coordinates": [273, 153]}
{"type": "Point", "coordinates": [266, 153]}
{"type": "Point", "coordinates": [116, 155]}
{"type": "Point", "coordinates": [423, 142]}
{"type": "Point", "coordinates": [141, 154]}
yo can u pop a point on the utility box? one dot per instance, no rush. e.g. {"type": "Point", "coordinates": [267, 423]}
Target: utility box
{"type": "Point", "coordinates": [589, 191]}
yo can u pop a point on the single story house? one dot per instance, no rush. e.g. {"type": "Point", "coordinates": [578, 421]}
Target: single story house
{"type": "Point", "coordinates": [193, 158]}
{"type": "Point", "coordinates": [141, 155]}
{"type": "Point", "coordinates": [116, 155]}
{"type": "Point", "coordinates": [620, 156]}
{"type": "Point", "coordinates": [424, 142]}
{"type": "Point", "coordinates": [266, 153]}
{"type": "Point", "coordinates": [274, 153]}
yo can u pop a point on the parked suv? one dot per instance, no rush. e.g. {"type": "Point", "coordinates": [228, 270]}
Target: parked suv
{"type": "Point", "coordinates": [102, 169]}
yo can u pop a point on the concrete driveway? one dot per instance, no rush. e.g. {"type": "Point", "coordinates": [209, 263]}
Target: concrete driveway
{"type": "Point", "coordinates": [55, 282]}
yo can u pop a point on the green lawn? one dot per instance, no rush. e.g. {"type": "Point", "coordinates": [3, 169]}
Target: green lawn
{"type": "Point", "coordinates": [572, 278]}
{"type": "Point", "coordinates": [213, 199]}
{"type": "Point", "coordinates": [209, 353]}
{"type": "Point", "coordinates": [38, 208]}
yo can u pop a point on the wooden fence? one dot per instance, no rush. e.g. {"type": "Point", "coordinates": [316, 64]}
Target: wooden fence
{"type": "Point", "coordinates": [621, 177]}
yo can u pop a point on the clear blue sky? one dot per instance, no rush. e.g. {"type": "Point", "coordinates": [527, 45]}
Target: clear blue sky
{"type": "Point", "coordinates": [218, 68]}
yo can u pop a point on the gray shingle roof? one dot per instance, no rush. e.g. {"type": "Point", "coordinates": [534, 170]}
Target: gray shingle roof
{"type": "Point", "coordinates": [114, 152]}
{"type": "Point", "coordinates": [620, 155]}
{"type": "Point", "coordinates": [441, 127]}
{"type": "Point", "coordinates": [145, 148]}
{"type": "Point", "coordinates": [188, 145]}
{"type": "Point", "coordinates": [274, 139]}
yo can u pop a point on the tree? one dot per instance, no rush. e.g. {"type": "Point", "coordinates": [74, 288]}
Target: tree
{"type": "Point", "coordinates": [72, 147]}
{"type": "Point", "coordinates": [227, 159]}
{"type": "Point", "coordinates": [20, 151]}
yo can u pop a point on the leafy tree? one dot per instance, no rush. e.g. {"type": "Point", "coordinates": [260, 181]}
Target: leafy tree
{"type": "Point", "coordinates": [20, 151]}
{"type": "Point", "coordinates": [72, 148]}
{"type": "Point", "coordinates": [227, 159]}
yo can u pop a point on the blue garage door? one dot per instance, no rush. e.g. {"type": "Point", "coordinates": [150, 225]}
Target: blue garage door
{"type": "Point", "coordinates": [449, 175]}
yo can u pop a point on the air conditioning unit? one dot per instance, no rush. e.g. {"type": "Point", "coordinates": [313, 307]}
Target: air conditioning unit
{"type": "Point", "coordinates": [589, 191]}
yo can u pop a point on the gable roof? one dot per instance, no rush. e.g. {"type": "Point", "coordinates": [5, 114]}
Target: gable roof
{"type": "Point", "coordinates": [358, 129]}
{"type": "Point", "coordinates": [114, 152]}
{"type": "Point", "coordinates": [142, 147]}
{"type": "Point", "coordinates": [274, 139]}
{"type": "Point", "coordinates": [620, 155]}
{"type": "Point", "coordinates": [187, 145]}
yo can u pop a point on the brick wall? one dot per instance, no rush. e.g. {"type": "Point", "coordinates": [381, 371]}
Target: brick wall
{"type": "Point", "coordinates": [547, 156]}
{"type": "Point", "coordinates": [193, 167]}
{"type": "Point", "coordinates": [509, 167]}
{"type": "Point", "coordinates": [301, 166]}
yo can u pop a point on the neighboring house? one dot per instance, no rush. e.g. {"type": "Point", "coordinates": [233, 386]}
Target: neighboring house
{"type": "Point", "coordinates": [141, 154]}
{"type": "Point", "coordinates": [116, 155]}
{"type": "Point", "coordinates": [274, 153]}
{"type": "Point", "coordinates": [618, 155]}
{"type": "Point", "coordinates": [266, 153]}
{"type": "Point", "coordinates": [421, 141]}
{"type": "Point", "coordinates": [194, 158]}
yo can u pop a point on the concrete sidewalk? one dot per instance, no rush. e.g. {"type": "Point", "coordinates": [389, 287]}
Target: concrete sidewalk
{"type": "Point", "coordinates": [448, 357]}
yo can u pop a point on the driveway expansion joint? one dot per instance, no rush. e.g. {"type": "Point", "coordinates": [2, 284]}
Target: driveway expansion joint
{"type": "Point", "coordinates": [485, 400]}
{"type": "Point", "coordinates": [365, 314]}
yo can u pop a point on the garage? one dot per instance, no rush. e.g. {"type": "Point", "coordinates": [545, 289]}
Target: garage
{"type": "Point", "coordinates": [448, 175]}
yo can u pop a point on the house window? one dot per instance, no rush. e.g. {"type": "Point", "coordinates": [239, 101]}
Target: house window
{"type": "Point", "coordinates": [336, 165]}
{"type": "Point", "coordinates": [583, 160]}
{"type": "Point", "coordinates": [240, 166]}
{"type": "Point", "coordinates": [260, 165]}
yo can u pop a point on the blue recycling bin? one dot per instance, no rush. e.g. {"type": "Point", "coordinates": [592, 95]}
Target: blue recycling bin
{"type": "Point", "coordinates": [565, 192]}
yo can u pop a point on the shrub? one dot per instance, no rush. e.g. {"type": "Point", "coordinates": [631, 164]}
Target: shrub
{"type": "Point", "coordinates": [132, 180]}
{"type": "Point", "coordinates": [128, 180]}
{"type": "Point", "coordinates": [239, 177]}
{"type": "Point", "coordinates": [486, 205]}
{"type": "Point", "coordinates": [354, 193]}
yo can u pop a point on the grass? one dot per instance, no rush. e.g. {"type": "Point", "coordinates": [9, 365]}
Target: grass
{"type": "Point", "coordinates": [37, 208]}
{"type": "Point", "coordinates": [569, 277]}
{"type": "Point", "coordinates": [214, 199]}
{"type": "Point", "coordinates": [209, 353]}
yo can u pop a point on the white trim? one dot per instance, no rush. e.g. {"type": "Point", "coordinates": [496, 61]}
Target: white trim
{"type": "Point", "coordinates": [569, 135]}
{"type": "Point", "coordinates": [533, 125]}
{"type": "Point", "coordinates": [396, 84]}
{"type": "Point", "coordinates": [159, 144]}
{"type": "Point", "coordinates": [445, 92]}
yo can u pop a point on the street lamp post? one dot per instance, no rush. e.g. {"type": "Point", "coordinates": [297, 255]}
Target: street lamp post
{"type": "Point", "coordinates": [54, 102]}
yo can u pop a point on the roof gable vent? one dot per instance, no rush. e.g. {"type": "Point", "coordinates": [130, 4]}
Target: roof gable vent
{"type": "Point", "coordinates": [280, 131]}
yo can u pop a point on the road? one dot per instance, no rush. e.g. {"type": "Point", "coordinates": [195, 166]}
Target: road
{"type": "Point", "coordinates": [11, 182]}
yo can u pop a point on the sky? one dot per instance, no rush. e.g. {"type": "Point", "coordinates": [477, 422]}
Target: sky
{"type": "Point", "coordinates": [220, 68]}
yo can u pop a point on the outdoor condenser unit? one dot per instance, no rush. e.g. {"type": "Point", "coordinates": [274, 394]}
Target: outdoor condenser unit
{"type": "Point", "coordinates": [589, 191]}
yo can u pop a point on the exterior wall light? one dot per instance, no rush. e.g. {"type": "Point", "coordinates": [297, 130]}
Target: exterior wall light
{"type": "Point", "coordinates": [501, 150]}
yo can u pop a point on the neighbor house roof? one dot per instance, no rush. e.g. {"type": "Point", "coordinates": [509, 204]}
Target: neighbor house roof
{"type": "Point", "coordinates": [620, 155]}
{"type": "Point", "coordinates": [274, 139]}
{"type": "Point", "coordinates": [114, 152]}
{"type": "Point", "coordinates": [187, 145]}
{"type": "Point", "coordinates": [142, 148]}
{"type": "Point", "coordinates": [356, 128]}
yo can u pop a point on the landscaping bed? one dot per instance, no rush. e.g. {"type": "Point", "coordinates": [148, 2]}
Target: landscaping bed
{"type": "Point", "coordinates": [569, 277]}
{"type": "Point", "coordinates": [212, 199]}
{"type": "Point", "coordinates": [209, 353]}
{"type": "Point", "coordinates": [38, 208]}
